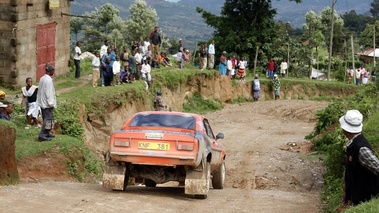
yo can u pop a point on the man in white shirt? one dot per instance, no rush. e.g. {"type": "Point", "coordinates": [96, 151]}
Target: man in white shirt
{"type": "Point", "coordinates": [283, 68]}
{"type": "Point", "coordinates": [46, 99]}
{"type": "Point", "coordinates": [104, 48]}
{"type": "Point", "coordinates": [78, 52]}
{"type": "Point", "coordinates": [138, 57]}
{"type": "Point", "coordinates": [211, 55]}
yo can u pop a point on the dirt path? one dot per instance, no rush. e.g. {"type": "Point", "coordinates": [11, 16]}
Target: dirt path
{"type": "Point", "coordinates": [268, 170]}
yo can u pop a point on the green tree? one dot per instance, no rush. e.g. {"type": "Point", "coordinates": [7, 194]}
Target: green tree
{"type": "Point", "coordinates": [76, 26]}
{"type": "Point", "coordinates": [104, 24]}
{"type": "Point", "coordinates": [355, 22]}
{"type": "Point", "coordinates": [366, 40]}
{"type": "Point", "coordinates": [141, 21]}
{"type": "Point", "coordinates": [243, 25]}
{"type": "Point", "coordinates": [374, 10]}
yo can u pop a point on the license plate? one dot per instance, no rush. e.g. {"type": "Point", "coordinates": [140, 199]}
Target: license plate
{"type": "Point", "coordinates": [153, 146]}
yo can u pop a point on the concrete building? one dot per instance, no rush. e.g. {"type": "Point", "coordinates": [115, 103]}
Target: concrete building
{"type": "Point", "coordinates": [33, 34]}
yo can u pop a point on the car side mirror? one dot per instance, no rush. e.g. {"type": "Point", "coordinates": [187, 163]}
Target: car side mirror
{"type": "Point", "coordinates": [219, 136]}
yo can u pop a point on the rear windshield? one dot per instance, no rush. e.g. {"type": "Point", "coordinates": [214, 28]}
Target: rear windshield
{"type": "Point", "coordinates": [164, 120]}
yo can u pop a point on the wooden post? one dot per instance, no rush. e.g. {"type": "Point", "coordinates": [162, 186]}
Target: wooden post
{"type": "Point", "coordinates": [8, 163]}
{"type": "Point", "coordinates": [256, 60]}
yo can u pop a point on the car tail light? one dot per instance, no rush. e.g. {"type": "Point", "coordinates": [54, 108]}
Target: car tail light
{"type": "Point", "coordinates": [121, 143]}
{"type": "Point", "coordinates": [187, 147]}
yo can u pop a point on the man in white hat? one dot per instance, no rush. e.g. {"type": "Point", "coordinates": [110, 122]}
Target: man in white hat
{"type": "Point", "coordinates": [362, 166]}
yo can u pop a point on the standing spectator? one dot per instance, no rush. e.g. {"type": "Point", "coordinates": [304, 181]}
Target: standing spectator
{"type": "Point", "coordinates": [276, 87]}
{"type": "Point", "coordinates": [47, 101]}
{"type": "Point", "coordinates": [145, 71]}
{"type": "Point", "coordinates": [95, 69]}
{"type": "Point", "coordinates": [188, 55]}
{"type": "Point", "coordinates": [158, 102]}
{"type": "Point", "coordinates": [229, 67]}
{"type": "Point", "coordinates": [116, 71]}
{"type": "Point", "coordinates": [6, 110]}
{"type": "Point", "coordinates": [180, 44]}
{"type": "Point", "coordinates": [365, 74]}
{"type": "Point", "coordinates": [358, 74]}
{"type": "Point", "coordinates": [108, 72]}
{"type": "Point", "coordinates": [203, 56]}
{"type": "Point", "coordinates": [143, 49]}
{"type": "Point", "coordinates": [350, 74]}
{"type": "Point", "coordinates": [155, 40]}
{"type": "Point", "coordinates": [222, 65]}
{"type": "Point", "coordinates": [256, 88]}
{"type": "Point", "coordinates": [104, 64]}
{"type": "Point", "coordinates": [283, 67]}
{"type": "Point", "coordinates": [104, 48]}
{"type": "Point", "coordinates": [78, 52]}
{"type": "Point", "coordinates": [180, 59]}
{"type": "Point", "coordinates": [233, 71]}
{"type": "Point", "coordinates": [135, 46]}
{"type": "Point", "coordinates": [132, 67]}
{"type": "Point", "coordinates": [211, 55]}
{"type": "Point", "coordinates": [270, 68]}
{"type": "Point", "coordinates": [113, 55]}
{"type": "Point", "coordinates": [125, 59]}
{"type": "Point", "coordinates": [148, 55]}
{"type": "Point", "coordinates": [242, 69]}
{"type": "Point", "coordinates": [373, 75]}
{"type": "Point", "coordinates": [138, 57]}
{"type": "Point", "coordinates": [29, 102]}
{"type": "Point", "coordinates": [362, 166]}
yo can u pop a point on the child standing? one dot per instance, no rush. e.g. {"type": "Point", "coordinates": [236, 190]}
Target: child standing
{"type": "Point", "coordinates": [145, 71]}
{"type": "Point", "coordinates": [276, 86]}
{"type": "Point", "coordinates": [256, 88]}
{"type": "Point", "coordinates": [116, 71]}
{"type": "Point", "coordinates": [132, 66]}
{"type": "Point", "coordinates": [95, 69]}
{"type": "Point", "coordinates": [241, 70]}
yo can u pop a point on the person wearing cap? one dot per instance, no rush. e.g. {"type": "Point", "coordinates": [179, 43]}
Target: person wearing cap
{"type": "Point", "coordinates": [362, 166]}
{"type": "Point", "coordinates": [256, 88]}
{"type": "Point", "coordinates": [2, 96]}
{"type": "Point", "coordinates": [155, 40]}
{"type": "Point", "coordinates": [6, 110]}
{"type": "Point", "coordinates": [46, 99]}
{"type": "Point", "coordinates": [276, 86]}
{"type": "Point", "coordinates": [158, 101]}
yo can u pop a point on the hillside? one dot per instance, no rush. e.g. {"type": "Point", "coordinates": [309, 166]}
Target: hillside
{"type": "Point", "coordinates": [176, 20]}
{"type": "Point", "coordinates": [180, 20]}
{"type": "Point", "coordinates": [290, 11]}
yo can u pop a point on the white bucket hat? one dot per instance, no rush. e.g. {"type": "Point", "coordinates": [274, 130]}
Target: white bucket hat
{"type": "Point", "coordinates": [352, 121]}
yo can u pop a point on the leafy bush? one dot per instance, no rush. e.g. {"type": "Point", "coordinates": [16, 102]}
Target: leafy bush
{"type": "Point", "coordinates": [197, 104]}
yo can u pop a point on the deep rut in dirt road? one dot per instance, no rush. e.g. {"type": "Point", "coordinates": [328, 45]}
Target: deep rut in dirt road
{"type": "Point", "coordinates": [268, 169]}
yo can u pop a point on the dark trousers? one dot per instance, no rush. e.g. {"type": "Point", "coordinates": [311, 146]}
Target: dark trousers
{"type": "Point", "coordinates": [48, 123]}
{"type": "Point", "coordinates": [77, 68]}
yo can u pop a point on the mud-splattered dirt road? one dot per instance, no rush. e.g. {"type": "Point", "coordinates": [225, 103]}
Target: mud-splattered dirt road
{"type": "Point", "coordinates": [269, 169]}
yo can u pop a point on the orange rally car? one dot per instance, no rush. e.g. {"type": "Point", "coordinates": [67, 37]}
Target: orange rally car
{"type": "Point", "coordinates": [156, 147]}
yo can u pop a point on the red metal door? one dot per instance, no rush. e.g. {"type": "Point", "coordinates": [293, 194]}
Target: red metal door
{"type": "Point", "coordinates": [45, 47]}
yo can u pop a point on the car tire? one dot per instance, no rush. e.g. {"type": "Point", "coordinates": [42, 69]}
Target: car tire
{"type": "Point", "coordinates": [150, 183]}
{"type": "Point", "coordinates": [218, 179]}
{"type": "Point", "coordinates": [207, 171]}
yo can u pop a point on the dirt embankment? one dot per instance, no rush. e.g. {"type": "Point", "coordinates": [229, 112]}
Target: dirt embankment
{"type": "Point", "coordinates": [212, 87]}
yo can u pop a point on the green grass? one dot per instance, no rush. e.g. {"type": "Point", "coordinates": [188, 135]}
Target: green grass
{"type": "Point", "coordinates": [368, 207]}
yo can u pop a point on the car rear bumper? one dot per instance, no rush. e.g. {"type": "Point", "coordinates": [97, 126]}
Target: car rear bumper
{"type": "Point", "coordinates": [153, 158]}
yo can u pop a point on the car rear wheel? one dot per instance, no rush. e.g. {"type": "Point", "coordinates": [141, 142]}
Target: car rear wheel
{"type": "Point", "coordinates": [150, 183]}
{"type": "Point", "coordinates": [207, 176]}
{"type": "Point", "coordinates": [218, 179]}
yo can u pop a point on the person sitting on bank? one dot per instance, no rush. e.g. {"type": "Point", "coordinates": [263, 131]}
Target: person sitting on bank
{"type": "Point", "coordinates": [6, 110]}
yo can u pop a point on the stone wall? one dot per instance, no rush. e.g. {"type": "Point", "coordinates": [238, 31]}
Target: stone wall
{"type": "Point", "coordinates": [19, 20]}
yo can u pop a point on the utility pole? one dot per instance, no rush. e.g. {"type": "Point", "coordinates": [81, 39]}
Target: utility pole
{"type": "Point", "coordinates": [374, 44]}
{"type": "Point", "coordinates": [331, 39]}
{"type": "Point", "coordinates": [352, 53]}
